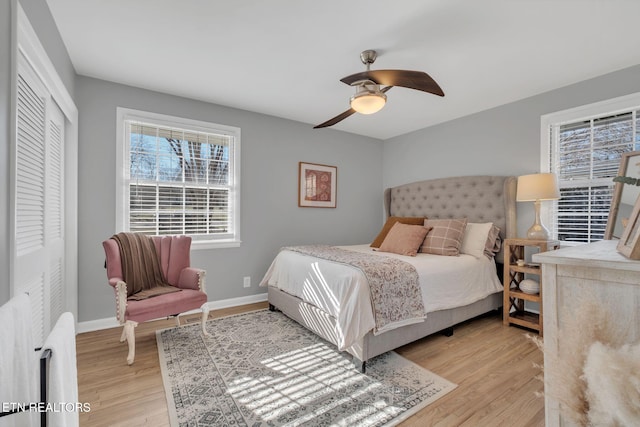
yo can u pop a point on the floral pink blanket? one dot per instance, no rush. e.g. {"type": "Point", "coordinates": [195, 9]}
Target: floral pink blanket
{"type": "Point", "coordinates": [394, 287]}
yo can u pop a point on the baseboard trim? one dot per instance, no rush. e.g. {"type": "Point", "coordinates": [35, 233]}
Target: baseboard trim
{"type": "Point", "coordinates": [234, 302]}
{"type": "Point", "coordinates": [112, 322]}
{"type": "Point", "coordinates": [97, 325]}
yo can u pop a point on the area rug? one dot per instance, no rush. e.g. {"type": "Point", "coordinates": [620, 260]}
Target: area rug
{"type": "Point", "coordinates": [263, 369]}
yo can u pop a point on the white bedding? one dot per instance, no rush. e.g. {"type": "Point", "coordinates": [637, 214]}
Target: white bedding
{"type": "Point", "coordinates": [342, 291]}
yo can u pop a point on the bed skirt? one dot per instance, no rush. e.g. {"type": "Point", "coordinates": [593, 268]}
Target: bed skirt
{"type": "Point", "coordinates": [373, 345]}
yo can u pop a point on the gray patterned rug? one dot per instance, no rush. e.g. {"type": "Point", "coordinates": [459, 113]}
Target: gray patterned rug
{"type": "Point", "coordinates": [263, 369]}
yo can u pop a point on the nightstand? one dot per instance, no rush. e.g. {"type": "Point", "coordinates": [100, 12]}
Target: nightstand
{"type": "Point", "coordinates": [514, 274]}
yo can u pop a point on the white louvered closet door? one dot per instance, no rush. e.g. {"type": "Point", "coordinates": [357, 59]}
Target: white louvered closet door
{"type": "Point", "coordinates": [39, 201]}
{"type": "Point", "coordinates": [54, 211]}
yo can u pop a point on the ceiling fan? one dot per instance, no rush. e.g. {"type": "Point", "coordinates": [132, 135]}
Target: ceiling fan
{"type": "Point", "coordinates": [369, 97]}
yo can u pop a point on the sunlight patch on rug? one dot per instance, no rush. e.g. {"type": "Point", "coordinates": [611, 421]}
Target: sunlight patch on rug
{"type": "Point", "coordinates": [263, 369]}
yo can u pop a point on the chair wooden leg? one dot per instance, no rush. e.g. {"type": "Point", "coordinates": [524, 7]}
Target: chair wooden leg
{"type": "Point", "coordinates": [130, 333]}
{"type": "Point", "coordinates": [205, 316]}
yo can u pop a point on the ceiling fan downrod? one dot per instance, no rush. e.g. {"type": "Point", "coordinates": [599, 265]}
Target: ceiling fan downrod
{"type": "Point", "coordinates": [368, 57]}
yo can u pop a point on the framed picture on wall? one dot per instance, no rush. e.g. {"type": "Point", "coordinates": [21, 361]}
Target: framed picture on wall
{"type": "Point", "coordinates": [317, 185]}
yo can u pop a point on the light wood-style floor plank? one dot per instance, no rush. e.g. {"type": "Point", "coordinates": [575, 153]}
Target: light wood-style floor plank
{"type": "Point", "coordinates": [492, 364]}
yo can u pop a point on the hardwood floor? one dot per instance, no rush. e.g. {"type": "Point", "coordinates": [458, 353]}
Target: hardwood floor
{"type": "Point", "coordinates": [492, 364]}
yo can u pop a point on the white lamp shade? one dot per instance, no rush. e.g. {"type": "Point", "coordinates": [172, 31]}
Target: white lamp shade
{"type": "Point", "coordinates": [538, 186]}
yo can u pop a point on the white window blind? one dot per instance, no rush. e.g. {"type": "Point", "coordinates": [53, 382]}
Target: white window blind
{"type": "Point", "coordinates": [585, 154]}
{"type": "Point", "coordinates": [180, 179]}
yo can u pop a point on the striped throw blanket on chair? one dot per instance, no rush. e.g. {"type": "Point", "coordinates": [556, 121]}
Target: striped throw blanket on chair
{"type": "Point", "coordinates": [140, 267]}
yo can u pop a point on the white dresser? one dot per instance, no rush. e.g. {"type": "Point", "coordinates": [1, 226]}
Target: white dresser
{"type": "Point", "coordinates": [567, 273]}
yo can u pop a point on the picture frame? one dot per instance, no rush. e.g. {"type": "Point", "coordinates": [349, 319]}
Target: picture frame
{"type": "Point", "coordinates": [317, 185]}
{"type": "Point", "coordinates": [629, 243]}
{"type": "Point", "coordinates": [624, 194]}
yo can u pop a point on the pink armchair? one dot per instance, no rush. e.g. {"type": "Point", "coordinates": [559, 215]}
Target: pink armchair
{"type": "Point", "coordinates": [174, 256]}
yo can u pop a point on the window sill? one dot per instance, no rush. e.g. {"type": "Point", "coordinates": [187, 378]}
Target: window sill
{"type": "Point", "coordinates": [214, 244]}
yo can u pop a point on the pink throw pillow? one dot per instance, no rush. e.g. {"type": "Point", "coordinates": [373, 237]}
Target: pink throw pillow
{"type": "Point", "coordinates": [404, 239]}
{"type": "Point", "coordinates": [392, 220]}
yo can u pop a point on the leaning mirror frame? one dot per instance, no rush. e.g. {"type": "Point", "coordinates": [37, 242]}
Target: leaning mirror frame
{"type": "Point", "coordinates": [621, 192]}
{"type": "Point", "coordinates": [629, 243]}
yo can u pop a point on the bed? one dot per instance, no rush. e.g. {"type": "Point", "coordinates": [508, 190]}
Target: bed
{"type": "Point", "coordinates": [333, 299]}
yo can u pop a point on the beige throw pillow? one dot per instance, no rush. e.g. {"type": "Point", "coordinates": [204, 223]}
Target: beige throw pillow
{"type": "Point", "coordinates": [404, 239]}
{"type": "Point", "coordinates": [474, 239]}
{"type": "Point", "coordinates": [445, 237]}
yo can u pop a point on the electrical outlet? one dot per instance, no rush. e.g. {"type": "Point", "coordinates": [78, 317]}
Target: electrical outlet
{"type": "Point", "coordinates": [247, 281]}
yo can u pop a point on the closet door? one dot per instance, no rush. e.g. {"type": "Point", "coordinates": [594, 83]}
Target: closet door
{"type": "Point", "coordinates": [38, 250]}
{"type": "Point", "coordinates": [54, 210]}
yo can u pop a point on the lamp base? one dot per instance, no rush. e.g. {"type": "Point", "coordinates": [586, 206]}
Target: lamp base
{"type": "Point", "coordinates": [538, 232]}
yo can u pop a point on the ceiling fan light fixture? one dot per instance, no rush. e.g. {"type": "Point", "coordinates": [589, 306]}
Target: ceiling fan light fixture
{"type": "Point", "coordinates": [368, 99]}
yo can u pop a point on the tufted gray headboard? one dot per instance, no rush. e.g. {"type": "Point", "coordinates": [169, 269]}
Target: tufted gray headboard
{"type": "Point", "coordinates": [477, 198]}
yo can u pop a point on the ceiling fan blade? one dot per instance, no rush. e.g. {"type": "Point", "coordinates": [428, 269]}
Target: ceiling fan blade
{"type": "Point", "coordinates": [340, 117]}
{"type": "Point", "coordinates": [418, 80]}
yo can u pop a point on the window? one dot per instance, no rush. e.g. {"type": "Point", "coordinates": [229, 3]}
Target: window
{"type": "Point", "coordinates": [178, 176]}
{"type": "Point", "coordinates": [583, 146]}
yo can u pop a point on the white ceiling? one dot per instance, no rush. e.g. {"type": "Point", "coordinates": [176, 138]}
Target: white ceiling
{"type": "Point", "coordinates": [285, 57]}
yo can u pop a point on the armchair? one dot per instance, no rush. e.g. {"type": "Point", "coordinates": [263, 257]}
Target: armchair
{"type": "Point", "coordinates": [174, 259]}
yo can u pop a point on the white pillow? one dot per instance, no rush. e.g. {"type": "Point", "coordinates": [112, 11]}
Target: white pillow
{"type": "Point", "coordinates": [475, 239]}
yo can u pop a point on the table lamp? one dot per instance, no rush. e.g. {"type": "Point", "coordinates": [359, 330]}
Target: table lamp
{"type": "Point", "coordinates": [535, 188]}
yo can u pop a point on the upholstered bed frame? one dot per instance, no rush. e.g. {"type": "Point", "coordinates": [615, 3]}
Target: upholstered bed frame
{"type": "Point", "coordinates": [477, 198]}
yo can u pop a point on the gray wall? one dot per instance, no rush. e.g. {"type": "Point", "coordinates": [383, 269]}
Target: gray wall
{"type": "Point", "coordinates": [270, 217]}
{"type": "Point", "coordinates": [501, 141]}
{"type": "Point", "coordinates": [41, 20]}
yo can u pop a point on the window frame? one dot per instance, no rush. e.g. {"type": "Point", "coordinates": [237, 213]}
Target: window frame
{"type": "Point", "coordinates": [550, 124]}
{"type": "Point", "coordinates": [123, 169]}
